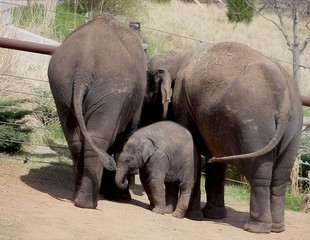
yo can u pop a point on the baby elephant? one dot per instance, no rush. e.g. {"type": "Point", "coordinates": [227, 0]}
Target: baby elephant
{"type": "Point", "coordinates": [166, 157]}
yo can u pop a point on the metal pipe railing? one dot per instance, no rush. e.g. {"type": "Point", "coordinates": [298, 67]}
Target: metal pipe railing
{"type": "Point", "coordinates": [27, 46]}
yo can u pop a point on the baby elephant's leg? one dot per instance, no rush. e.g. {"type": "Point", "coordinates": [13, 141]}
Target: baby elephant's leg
{"type": "Point", "coordinates": [144, 181]}
{"type": "Point", "coordinates": [157, 187]}
{"type": "Point", "coordinates": [183, 201]}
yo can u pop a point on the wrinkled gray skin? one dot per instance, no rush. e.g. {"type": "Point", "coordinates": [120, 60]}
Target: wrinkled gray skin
{"type": "Point", "coordinates": [97, 77]}
{"type": "Point", "coordinates": [168, 164]}
{"type": "Point", "coordinates": [240, 104]}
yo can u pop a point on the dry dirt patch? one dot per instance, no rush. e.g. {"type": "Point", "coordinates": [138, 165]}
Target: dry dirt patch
{"type": "Point", "coordinates": [35, 203]}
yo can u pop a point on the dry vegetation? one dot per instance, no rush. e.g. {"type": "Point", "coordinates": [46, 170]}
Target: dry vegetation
{"type": "Point", "coordinates": [210, 24]}
{"type": "Point", "coordinates": [207, 24]}
{"type": "Point", "coordinates": [23, 72]}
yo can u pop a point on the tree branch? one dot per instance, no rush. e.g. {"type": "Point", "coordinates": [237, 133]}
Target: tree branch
{"type": "Point", "coordinates": [277, 8]}
{"type": "Point", "coordinates": [307, 40]}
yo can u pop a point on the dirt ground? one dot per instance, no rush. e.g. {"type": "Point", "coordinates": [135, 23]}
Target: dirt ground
{"type": "Point", "coordinates": [35, 203]}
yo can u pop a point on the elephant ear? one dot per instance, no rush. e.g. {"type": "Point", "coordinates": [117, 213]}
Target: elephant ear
{"type": "Point", "coordinates": [148, 148]}
{"type": "Point", "coordinates": [165, 87]}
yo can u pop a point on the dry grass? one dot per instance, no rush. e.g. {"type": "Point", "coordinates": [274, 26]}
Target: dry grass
{"type": "Point", "coordinates": [210, 24]}
{"type": "Point", "coordinates": [19, 72]}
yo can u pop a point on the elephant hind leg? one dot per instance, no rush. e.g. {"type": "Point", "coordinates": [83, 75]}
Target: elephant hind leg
{"type": "Point", "coordinates": [172, 192]}
{"type": "Point", "coordinates": [214, 185]}
{"type": "Point", "coordinates": [183, 201]}
{"type": "Point", "coordinates": [88, 198]}
{"type": "Point", "coordinates": [76, 149]}
{"type": "Point", "coordinates": [260, 215]}
{"type": "Point", "coordinates": [280, 179]}
{"type": "Point", "coordinates": [277, 211]}
{"type": "Point", "coordinates": [277, 198]}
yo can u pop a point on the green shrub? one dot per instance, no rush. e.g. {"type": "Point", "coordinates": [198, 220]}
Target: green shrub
{"type": "Point", "coordinates": [64, 21]}
{"type": "Point", "coordinates": [11, 133]}
{"type": "Point", "coordinates": [304, 171]}
{"type": "Point", "coordinates": [306, 111]}
{"type": "Point", "coordinates": [154, 46]}
{"type": "Point", "coordinates": [237, 192]}
{"type": "Point", "coordinates": [241, 193]}
{"type": "Point", "coordinates": [56, 133]}
{"type": "Point", "coordinates": [23, 16]}
{"type": "Point", "coordinates": [240, 10]}
{"type": "Point", "coordinates": [11, 138]}
{"type": "Point", "coordinates": [116, 7]}
{"type": "Point", "coordinates": [292, 200]}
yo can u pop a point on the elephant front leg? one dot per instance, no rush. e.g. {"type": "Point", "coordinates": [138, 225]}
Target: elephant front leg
{"type": "Point", "coordinates": [214, 185]}
{"type": "Point", "coordinates": [157, 188]}
{"type": "Point", "coordinates": [144, 181]}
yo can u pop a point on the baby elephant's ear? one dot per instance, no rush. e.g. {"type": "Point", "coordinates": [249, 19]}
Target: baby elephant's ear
{"type": "Point", "coordinates": [148, 148]}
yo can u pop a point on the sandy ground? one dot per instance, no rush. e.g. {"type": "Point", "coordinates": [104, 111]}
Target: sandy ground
{"type": "Point", "coordinates": [35, 203]}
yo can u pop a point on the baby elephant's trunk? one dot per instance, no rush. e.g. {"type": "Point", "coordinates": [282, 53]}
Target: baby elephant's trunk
{"type": "Point", "coordinates": [121, 180]}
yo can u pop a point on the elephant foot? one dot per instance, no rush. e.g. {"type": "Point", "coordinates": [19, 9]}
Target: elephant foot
{"type": "Point", "coordinates": [158, 210]}
{"type": "Point", "coordinates": [214, 212]}
{"type": "Point", "coordinates": [179, 213]}
{"type": "Point", "coordinates": [169, 209]}
{"type": "Point", "coordinates": [85, 200]}
{"type": "Point", "coordinates": [257, 227]}
{"type": "Point", "coordinates": [277, 227]}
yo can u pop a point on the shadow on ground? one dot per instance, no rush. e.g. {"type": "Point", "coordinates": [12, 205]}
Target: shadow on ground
{"type": "Point", "coordinates": [57, 181]}
{"type": "Point", "coordinates": [234, 218]}
{"type": "Point", "coordinates": [53, 179]}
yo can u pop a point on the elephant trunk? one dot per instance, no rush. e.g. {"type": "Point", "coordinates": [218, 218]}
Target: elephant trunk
{"type": "Point", "coordinates": [120, 179]}
{"type": "Point", "coordinates": [165, 109]}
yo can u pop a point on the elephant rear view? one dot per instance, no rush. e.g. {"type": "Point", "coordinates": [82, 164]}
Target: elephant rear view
{"type": "Point", "coordinates": [98, 79]}
{"type": "Point", "coordinates": [241, 108]}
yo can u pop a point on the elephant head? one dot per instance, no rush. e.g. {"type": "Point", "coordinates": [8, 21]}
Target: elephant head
{"type": "Point", "coordinates": [163, 77]}
{"type": "Point", "coordinates": [157, 97]}
{"type": "Point", "coordinates": [159, 90]}
{"type": "Point", "coordinates": [135, 154]}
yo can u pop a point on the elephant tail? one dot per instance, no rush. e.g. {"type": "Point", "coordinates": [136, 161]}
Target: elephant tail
{"type": "Point", "coordinates": [270, 146]}
{"type": "Point", "coordinates": [78, 96]}
{"type": "Point", "coordinates": [282, 119]}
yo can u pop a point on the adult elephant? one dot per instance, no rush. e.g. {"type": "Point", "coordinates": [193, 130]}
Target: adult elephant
{"type": "Point", "coordinates": [98, 80]}
{"type": "Point", "coordinates": [241, 108]}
